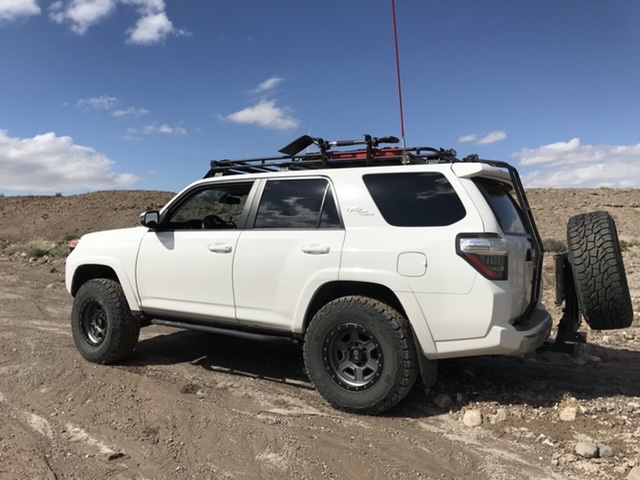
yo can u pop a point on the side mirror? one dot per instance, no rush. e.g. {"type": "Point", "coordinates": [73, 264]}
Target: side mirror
{"type": "Point", "coordinates": [150, 219]}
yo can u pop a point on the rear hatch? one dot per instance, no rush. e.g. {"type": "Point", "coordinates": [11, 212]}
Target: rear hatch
{"type": "Point", "coordinates": [521, 254]}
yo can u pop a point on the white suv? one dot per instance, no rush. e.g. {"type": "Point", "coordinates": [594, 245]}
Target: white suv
{"type": "Point", "coordinates": [381, 260]}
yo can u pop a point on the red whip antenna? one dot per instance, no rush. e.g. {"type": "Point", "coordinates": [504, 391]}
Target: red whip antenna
{"type": "Point", "coordinates": [395, 37]}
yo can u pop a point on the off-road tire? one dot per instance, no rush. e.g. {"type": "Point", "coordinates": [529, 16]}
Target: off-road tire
{"type": "Point", "coordinates": [598, 271]}
{"type": "Point", "coordinates": [103, 328]}
{"type": "Point", "coordinates": [360, 355]}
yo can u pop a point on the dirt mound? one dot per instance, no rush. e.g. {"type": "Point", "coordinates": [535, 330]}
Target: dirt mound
{"type": "Point", "coordinates": [59, 218]}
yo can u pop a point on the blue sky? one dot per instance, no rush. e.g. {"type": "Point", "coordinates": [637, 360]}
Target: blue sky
{"type": "Point", "coordinates": [142, 94]}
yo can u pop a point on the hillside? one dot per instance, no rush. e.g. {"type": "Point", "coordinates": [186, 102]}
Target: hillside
{"type": "Point", "coordinates": [58, 218]}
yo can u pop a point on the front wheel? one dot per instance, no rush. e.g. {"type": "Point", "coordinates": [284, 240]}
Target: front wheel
{"type": "Point", "coordinates": [360, 355]}
{"type": "Point", "coordinates": [103, 328]}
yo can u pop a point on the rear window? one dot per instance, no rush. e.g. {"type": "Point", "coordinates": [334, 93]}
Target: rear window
{"type": "Point", "coordinates": [504, 207]}
{"type": "Point", "coordinates": [419, 199]}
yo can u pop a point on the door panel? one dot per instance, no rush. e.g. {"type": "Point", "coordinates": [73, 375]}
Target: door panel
{"type": "Point", "coordinates": [273, 268]}
{"type": "Point", "coordinates": [188, 272]}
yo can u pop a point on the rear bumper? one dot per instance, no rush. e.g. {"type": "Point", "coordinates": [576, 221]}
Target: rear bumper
{"type": "Point", "coordinates": [503, 339]}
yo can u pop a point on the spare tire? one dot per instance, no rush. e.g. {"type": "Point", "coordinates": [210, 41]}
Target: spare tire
{"type": "Point", "coordinates": [598, 271]}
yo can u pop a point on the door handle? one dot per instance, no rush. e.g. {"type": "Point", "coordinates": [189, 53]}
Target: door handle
{"type": "Point", "coordinates": [220, 248]}
{"type": "Point", "coordinates": [316, 249]}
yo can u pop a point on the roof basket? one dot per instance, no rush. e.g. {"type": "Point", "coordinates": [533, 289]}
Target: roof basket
{"type": "Point", "coordinates": [326, 157]}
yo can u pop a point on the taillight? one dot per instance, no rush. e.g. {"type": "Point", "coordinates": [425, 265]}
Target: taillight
{"type": "Point", "coordinates": [486, 252]}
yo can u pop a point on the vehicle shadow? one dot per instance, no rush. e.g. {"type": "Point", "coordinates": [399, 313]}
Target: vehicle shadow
{"type": "Point", "coordinates": [543, 379]}
{"type": "Point", "coordinates": [272, 359]}
{"type": "Point", "coordinates": [537, 380]}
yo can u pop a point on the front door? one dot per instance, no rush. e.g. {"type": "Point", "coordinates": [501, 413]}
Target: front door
{"type": "Point", "coordinates": [185, 266]}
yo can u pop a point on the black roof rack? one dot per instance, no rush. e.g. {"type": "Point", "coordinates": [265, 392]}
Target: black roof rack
{"type": "Point", "coordinates": [372, 154]}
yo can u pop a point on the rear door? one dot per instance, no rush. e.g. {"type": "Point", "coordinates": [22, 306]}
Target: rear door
{"type": "Point", "coordinates": [292, 245]}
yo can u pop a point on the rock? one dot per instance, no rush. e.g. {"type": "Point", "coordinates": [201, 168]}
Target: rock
{"type": "Point", "coordinates": [586, 450]}
{"type": "Point", "coordinates": [443, 401]}
{"type": "Point", "coordinates": [500, 416]}
{"type": "Point", "coordinates": [581, 358]}
{"type": "Point", "coordinates": [472, 418]}
{"type": "Point", "coordinates": [605, 451]}
{"type": "Point", "coordinates": [634, 474]}
{"type": "Point", "coordinates": [568, 414]}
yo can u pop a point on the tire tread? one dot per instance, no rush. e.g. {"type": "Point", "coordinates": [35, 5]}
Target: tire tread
{"type": "Point", "coordinates": [598, 270]}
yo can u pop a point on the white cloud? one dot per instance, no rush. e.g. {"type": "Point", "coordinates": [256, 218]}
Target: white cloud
{"type": "Point", "coordinates": [11, 10]}
{"type": "Point", "coordinates": [81, 14]}
{"type": "Point", "coordinates": [103, 102]}
{"type": "Point", "coordinates": [164, 129]}
{"type": "Point", "coordinates": [486, 139]}
{"type": "Point", "coordinates": [265, 114]}
{"type": "Point", "coordinates": [492, 137]}
{"type": "Point", "coordinates": [467, 138]}
{"type": "Point", "coordinates": [146, 6]}
{"type": "Point", "coordinates": [268, 84]}
{"type": "Point", "coordinates": [151, 28]}
{"type": "Point", "coordinates": [571, 164]}
{"type": "Point", "coordinates": [49, 163]}
{"type": "Point", "coordinates": [130, 112]}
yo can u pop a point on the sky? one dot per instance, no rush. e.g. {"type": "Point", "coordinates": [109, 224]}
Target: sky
{"type": "Point", "coordinates": [142, 94]}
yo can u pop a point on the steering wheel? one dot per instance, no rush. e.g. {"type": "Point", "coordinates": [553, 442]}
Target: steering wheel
{"type": "Point", "coordinates": [212, 222]}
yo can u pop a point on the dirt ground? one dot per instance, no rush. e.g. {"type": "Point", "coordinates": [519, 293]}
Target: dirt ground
{"type": "Point", "coordinates": [198, 406]}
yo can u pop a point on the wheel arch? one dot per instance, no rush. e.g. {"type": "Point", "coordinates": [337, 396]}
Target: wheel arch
{"type": "Point", "coordinates": [84, 273]}
{"type": "Point", "coordinates": [332, 290]}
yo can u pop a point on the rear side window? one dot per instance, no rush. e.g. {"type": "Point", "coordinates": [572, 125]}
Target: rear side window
{"type": "Point", "coordinates": [301, 204]}
{"type": "Point", "coordinates": [419, 199]}
{"type": "Point", "coordinates": [503, 205]}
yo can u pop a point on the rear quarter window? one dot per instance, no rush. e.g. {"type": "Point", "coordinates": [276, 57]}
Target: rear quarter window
{"type": "Point", "coordinates": [418, 199]}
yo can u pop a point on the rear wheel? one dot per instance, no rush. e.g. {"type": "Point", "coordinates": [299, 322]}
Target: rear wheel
{"type": "Point", "coordinates": [360, 355]}
{"type": "Point", "coordinates": [598, 271]}
{"type": "Point", "coordinates": [103, 328]}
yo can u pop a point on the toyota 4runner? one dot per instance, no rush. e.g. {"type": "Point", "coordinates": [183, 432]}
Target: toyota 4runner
{"type": "Point", "coordinates": [380, 260]}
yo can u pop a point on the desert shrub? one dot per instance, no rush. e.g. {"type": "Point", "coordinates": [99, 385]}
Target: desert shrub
{"type": "Point", "coordinates": [625, 245]}
{"type": "Point", "coordinates": [36, 252]}
{"type": "Point", "coordinates": [59, 251]}
{"type": "Point", "coordinates": [3, 244]}
{"type": "Point", "coordinates": [58, 194]}
{"type": "Point", "coordinates": [554, 245]}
